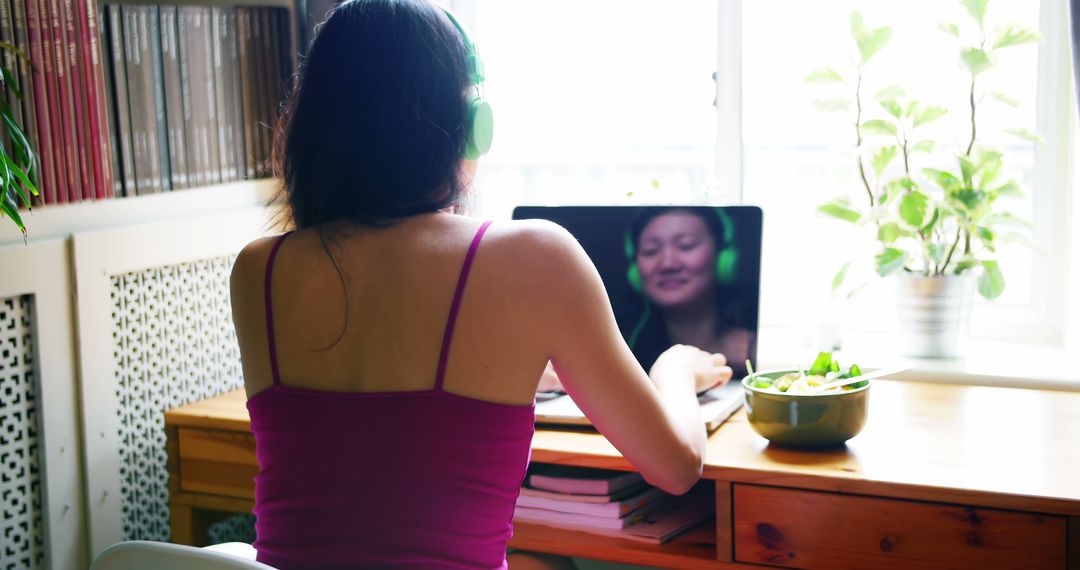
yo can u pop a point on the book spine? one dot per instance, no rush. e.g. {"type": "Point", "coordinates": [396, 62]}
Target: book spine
{"type": "Point", "coordinates": [160, 140]}
{"type": "Point", "coordinates": [95, 97]}
{"type": "Point", "coordinates": [67, 137]}
{"type": "Point", "coordinates": [119, 37]}
{"type": "Point", "coordinates": [221, 94]}
{"type": "Point", "coordinates": [277, 72]}
{"type": "Point", "coordinates": [258, 53]}
{"type": "Point", "coordinates": [50, 115]}
{"type": "Point", "coordinates": [174, 105]}
{"type": "Point", "coordinates": [137, 100]}
{"type": "Point", "coordinates": [247, 80]}
{"type": "Point", "coordinates": [195, 63]}
{"type": "Point", "coordinates": [91, 72]}
{"type": "Point", "coordinates": [7, 35]}
{"type": "Point", "coordinates": [210, 93]}
{"type": "Point", "coordinates": [32, 83]}
{"type": "Point", "coordinates": [191, 154]}
{"type": "Point", "coordinates": [235, 91]}
{"type": "Point", "coordinates": [76, 86]}
{"type": "Point", "coordinates": [108, 72]}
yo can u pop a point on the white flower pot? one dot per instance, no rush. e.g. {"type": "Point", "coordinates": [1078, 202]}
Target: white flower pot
{"type": "Point", "coordinates": [933, 314]}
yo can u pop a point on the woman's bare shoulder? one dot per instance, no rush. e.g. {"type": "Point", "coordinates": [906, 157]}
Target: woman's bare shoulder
{"type": "Point", "coordinates": [543, 238]}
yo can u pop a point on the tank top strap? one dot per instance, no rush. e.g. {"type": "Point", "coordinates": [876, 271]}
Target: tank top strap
{"type": "Point", "coordinates": [270, 309]}
{"type": "Point", "coordinates": [455, 305]}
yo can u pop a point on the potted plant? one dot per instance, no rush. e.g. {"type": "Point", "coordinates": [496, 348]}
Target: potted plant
{"type": "Point", "coordinates": [939, 229]}
{"type": "Point", "coordinates": [17, 165]}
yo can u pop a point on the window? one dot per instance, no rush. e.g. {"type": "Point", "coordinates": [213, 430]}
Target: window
{"type": "Point", "coordinates": [611, 101]}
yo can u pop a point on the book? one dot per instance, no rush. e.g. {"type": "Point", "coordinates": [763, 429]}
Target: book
{"type": "Point", "coordinates": [616, 496]}
{"type": "Point", "coordinates": [247, 86]}
{"type": "Point", "coordinates": [656, 524]}
{"type": "Point", "coordinates": [612, 509]}
{"type": "Point", "coordinates": [174, 101]}
{"type": "Point", "coordinates": [121, 106]}
{"type": "Point", "coordinates": [66, 139]}
{"type": "Point", "coordinates": [97, 114]}
{"type": "Point", "coordinates": [582, 521]}
{"type": "Point", "coordinates": [213, 152]}
{"type": "Point", "coordinates": [159, 141]}
{"type": "Point", "coordinates": [673, 517]}
{"type": "Point", "coordinates": [581, 480]}
{"type": "Point", "coordinates": [42, 133]}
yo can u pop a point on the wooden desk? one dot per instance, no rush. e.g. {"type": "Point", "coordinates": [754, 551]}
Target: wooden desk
{"type": "Point", "coordinates": [942, 476]}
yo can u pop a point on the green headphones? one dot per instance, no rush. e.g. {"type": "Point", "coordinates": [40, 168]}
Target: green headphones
{"type": "Point", "coordinates": [480, 124]}
{"type": "Point", "coordinates": [727, 255]}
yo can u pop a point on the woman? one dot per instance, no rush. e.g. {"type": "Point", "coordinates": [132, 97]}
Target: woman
{"type": "Point", "coordinates": [391, 350]}
{"type": "Point", "coordinates": [685, 266]}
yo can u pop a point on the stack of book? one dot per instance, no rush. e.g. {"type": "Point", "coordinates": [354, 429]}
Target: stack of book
{"type": "Point", "coordinates": [195, 93]}
{"type": "Point", "coordinates": [607, 502]}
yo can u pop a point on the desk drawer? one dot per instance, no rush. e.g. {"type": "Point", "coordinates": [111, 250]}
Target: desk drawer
{"type": "Point", "coordinates": [809, 529]}
{"type": "Point", "coordinates": [218, 462]}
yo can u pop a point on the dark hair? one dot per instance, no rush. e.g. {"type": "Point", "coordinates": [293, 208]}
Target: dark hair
{"type": "Point", "coordinates": [645, 215]}
{"type": "Point", "coordinates": [375, 129]}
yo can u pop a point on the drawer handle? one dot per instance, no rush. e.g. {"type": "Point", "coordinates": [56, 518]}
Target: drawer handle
{"type": "Point", "coordinates": [886, 544]}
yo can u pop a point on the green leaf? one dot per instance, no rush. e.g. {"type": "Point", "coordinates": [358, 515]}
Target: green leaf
{"type": "Point", "coordinates": [923, 146]}
{"type": "Point", "coordinates": [822, 364]}
{"type": "Point", "coordinates": [7, 207]}
{"type": "Point", "coordinates": [833, 104]}
{"type": "Point", "coordinates": [1010, 188]}
{"type": "Point", "coordinates": [824, 76]}
{"type": "Point", "coordinates": [977, 9]}
{"type": "Point", "coordinates": [889, 233]}
{"type": "Point", "coordinates": [1026, 135]}
{"type": "Point", "coordinates": [1007, 219]}
{"type": "Point", "coordinates": [17, 172]}
{"type": "Point", "coordinates": [991, 282]}
{"type": "Point", "coordinates": [968, 198]}
{"type": "Point", "coordinates": [967, 170]}
{"type": "Point", "coordinates": [950, 28]}
{"type": "Point", "coordinates": [967, 263]}
{"type": "Point", "coordinates": [936, 252]}
{"type": "Point", "coordinates": [986, 236]}
{"type": "Point", "coordinates": [870, 41]}
{"type": "Point", "coordinates": [838, 279]}
{"type": "Point", "coordinates": [881, 159]}
{"type": "Point", "coordinates": [879, 127]}
{"type": "Point", "coordinates": [890, 260]}
{"type": "Point", "coordinates": [946, 180]}
{"type": "Point", "coordinates": [890, 93]}
{"type": "Point", "coordinates": [976, 60]}
{"type": "Point", "coordinates": [10, 83]}
{"type": "Point", "coordinates": [1015, 34]}
{"type": "Point", "coordinates": [1004, 99]}
{"type": "Point", "coordinates": [929, 114]}
{"type": "Point", "coordinates": [915, 209]}
{"type": "Point", "coordinates": [839, 209]}
{"type": "Point", "coordinates": [892, 107]}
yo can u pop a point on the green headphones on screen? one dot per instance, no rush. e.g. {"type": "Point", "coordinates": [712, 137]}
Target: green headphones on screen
{"type": "Point", "coordinates": [727, 255]}
{"type": "Point", "coordinates": [480, 123]}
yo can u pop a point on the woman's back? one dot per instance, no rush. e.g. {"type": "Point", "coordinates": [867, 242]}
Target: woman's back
{"type": "Point", "coordinates": [366, 455]}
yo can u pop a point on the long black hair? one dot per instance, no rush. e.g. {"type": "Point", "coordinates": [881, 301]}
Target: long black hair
{"type": "Point", "coordinates": [375, 129]}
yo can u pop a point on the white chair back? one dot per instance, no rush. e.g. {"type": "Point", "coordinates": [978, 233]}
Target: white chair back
{"type": "Point", "coordinates": [142, 554]}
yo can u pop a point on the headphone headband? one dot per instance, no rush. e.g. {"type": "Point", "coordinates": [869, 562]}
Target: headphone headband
{"type": "Point", "coordinates": [476, 65]}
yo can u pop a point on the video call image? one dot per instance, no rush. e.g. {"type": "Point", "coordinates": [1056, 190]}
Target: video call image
{"type": "Point", "coordinates": [675, 274]}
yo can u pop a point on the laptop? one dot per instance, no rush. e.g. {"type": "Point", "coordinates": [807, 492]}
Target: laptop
{"type": "Point", "coordinates": [666, 267]}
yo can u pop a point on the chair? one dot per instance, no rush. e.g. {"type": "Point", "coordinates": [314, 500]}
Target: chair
{"type": "Point", "coordinates": [142, 554]}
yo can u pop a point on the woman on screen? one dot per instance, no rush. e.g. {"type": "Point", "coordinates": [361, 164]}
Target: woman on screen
{"type": "Point", "coordinates": [684, 265]}
{"type": "Point", "coordinates": [392, 349]}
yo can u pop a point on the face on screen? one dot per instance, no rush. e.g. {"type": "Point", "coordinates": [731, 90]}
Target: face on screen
{"type": "Point", "coordinates": [676, 255]}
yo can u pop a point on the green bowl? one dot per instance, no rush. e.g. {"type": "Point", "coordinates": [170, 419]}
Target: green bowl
{"type": "Point", "coordinates": [818, 420]}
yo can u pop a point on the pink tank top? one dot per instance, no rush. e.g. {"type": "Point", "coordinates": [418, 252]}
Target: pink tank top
{"type": "Point", "coordinates": [421, 479]}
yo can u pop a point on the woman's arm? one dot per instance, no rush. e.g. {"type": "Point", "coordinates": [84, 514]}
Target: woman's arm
{"type": "Point", "coordinates": [656, 423]}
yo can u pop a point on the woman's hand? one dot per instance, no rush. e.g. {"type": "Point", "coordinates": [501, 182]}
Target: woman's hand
{"type": "Point", "coordinates": [549, 380]}
{"type": "Point", "coordinates": [683, 363]}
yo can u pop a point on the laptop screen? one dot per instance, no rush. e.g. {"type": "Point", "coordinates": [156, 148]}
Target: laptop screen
{"type": "Point", "coordinates": [674, 274]}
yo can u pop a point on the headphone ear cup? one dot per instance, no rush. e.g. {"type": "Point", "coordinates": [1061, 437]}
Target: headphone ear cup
{"type": "Point", "coordinates": [727, 262]}
{"type": "Point", "coordinates": [633, 276]}
{"type": "Point", "coordinates": [479, 128]}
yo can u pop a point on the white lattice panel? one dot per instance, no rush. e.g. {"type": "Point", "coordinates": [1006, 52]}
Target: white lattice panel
{"type": "Point", "coordinates": [21, 526]}
{"type": "Point", "coordinates": [173, 344]}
